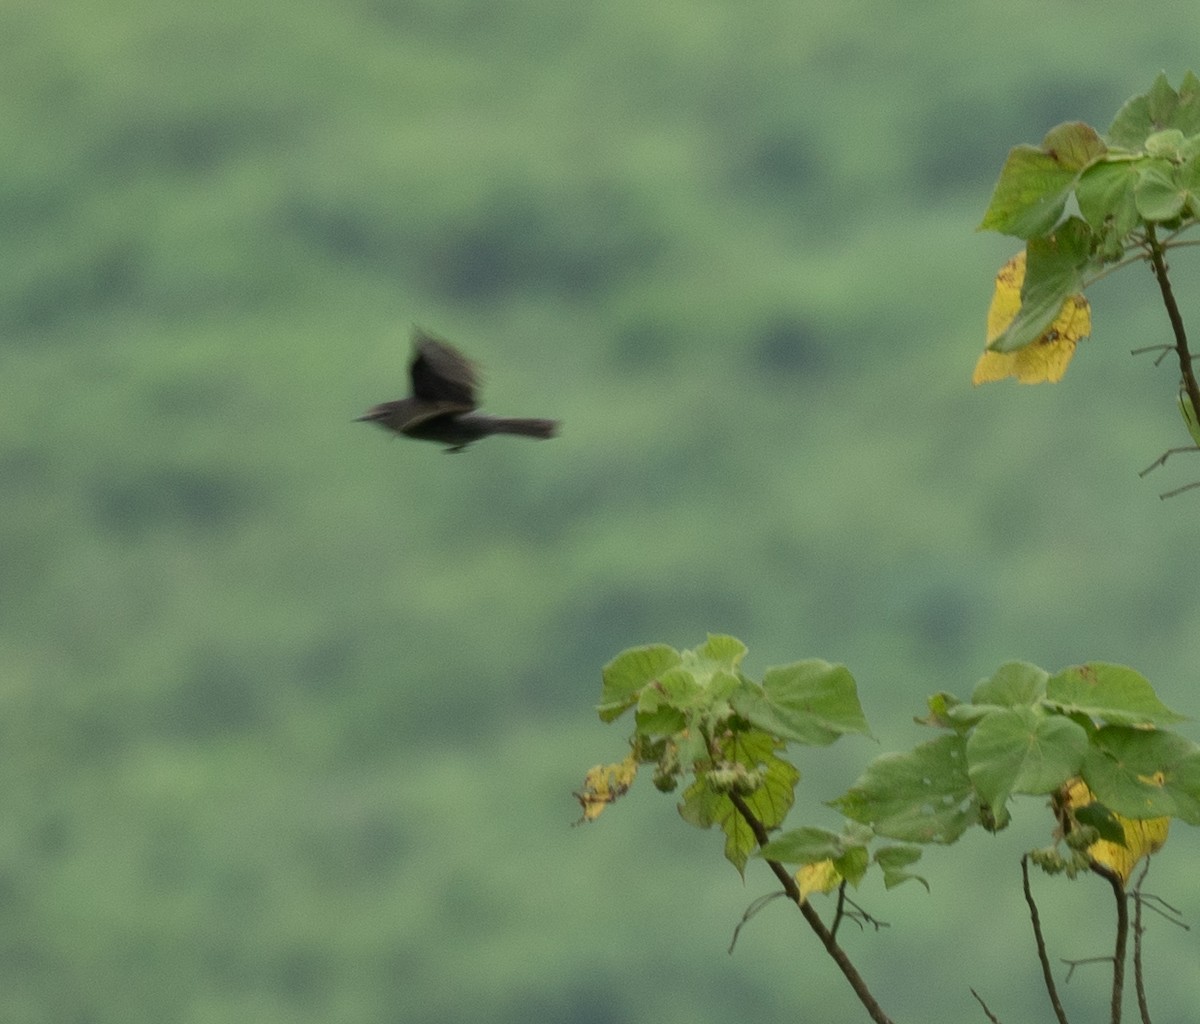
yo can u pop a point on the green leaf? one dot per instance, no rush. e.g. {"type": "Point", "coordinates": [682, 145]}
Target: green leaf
{"type": "Point", "coordinates": [716, 658]}
{"type": "Point", "coordinates": [773, 799]}
{"type": "Point", "coordinates": [1031, 194]}
{"type": "Point", "coordinates": [1188, 174]}
{"type": "Point", "coordinates": [1161, 101]}
{"type": "Point", "coordinates": [1165, 144]}
{"type": "Point", "coordinates": [853, 864]}
{"type": "Point", "coordinates": [1106, 200]}
{"type": "Point", "coordinates": [1074, 145]}
{"type": "Point", "coordinates": [1144, 773]}
{"type": "Point", "coordinates": [1189, 104]}
{"type": "Point", "coordinates": [1022, 750]}
{"type": "Point", "coordinates": [1054, 267]}
{"type": "Point", "coordinates": [1098, 816]}
{"type": "Point", "coordinates": [1015, 684]}
{"type": "Point", "coordinates": [893, 860]}
{"type": "Point", "coordinates": [721, 651]}
{"type": "Point", "coordinates": [1134, 122]}
{"type": "Point", "coordinates": [1158, 192]}
{"type": "Point", "coordinates": [847, 851]}
{"type": "Point", "coordinates": [659, 718]}
{"type": "Point", "coordinates": [1161, 108]}
{"type": "Point", "coordinates": [677, 685]}
{"type": "Point", "coordinates": [1112, 693]}
{"type": "Point", "coordinates": [704, 806]}
{"type": "Point", "coordinates": [691, 748]}
{"type": "Point", "coordinates": [941, 705]}
{"type": "Point", "coordinates": [723, 685]}
{"type": "Point", "coordinates": [665, 709]}
{"type": "Point", "coordinates": [805, 845]}
{"type": "Point", "coordinates": [628, 672]}
{"type": "Point", "coordinates": [964, 716]}
{"type": "Point", "coordinates": [810, 702]}
{"type": "Point", "coordinates": [1036, 182]}
{"type": "Point", "coordinates": [921, 796]}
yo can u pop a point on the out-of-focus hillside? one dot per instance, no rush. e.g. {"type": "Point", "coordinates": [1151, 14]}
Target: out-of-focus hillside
{"type": "Point", "coordinates": [291, 712]}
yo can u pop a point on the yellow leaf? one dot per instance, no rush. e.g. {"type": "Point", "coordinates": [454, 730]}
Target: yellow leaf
{"type": "Point", "coordinates": [1143, 836]}
{"type": "Point", "coordinates": [1046, 357]}
{"type": "Point", "coordinates": [819, 877]}
{"type": "Point", "coordinates": [605, 783]}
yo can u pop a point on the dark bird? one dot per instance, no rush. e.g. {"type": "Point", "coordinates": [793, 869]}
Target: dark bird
{"type": "Point", "coordinates": [443, 403]}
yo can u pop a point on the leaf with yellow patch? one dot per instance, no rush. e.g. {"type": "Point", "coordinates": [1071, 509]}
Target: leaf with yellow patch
{"type": "Point", "coordinates": [819, 877]}
{"type": "Point", "coordinates": [1143, 836]}
{"type": "Point", "coordinates": [604, 784]}
{"type": "Point", "coordinates": [1047, 356]}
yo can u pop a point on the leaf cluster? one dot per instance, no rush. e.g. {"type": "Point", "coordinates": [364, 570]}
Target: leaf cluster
{"type": "Point", "coordinates": [1096, 729]}
{"type": "Point", "coordinates": [699, 720]}
{"type": "Point", "coordinates": [1142, 174]}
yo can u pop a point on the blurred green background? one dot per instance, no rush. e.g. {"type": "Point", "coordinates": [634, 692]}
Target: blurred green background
{"type": "Point", "coordinates": [292, 712]}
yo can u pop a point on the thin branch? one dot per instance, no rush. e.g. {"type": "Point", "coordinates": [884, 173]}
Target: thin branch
{"type": "Point", "coordinates": [828, 939]}
{"type": "Point", "coordinates": [1083, 962]}
{"type": "Point", "coordinates": [1163, 909]}
{"type": "Point", "coordinates": [1179, 490]}
{"type": "Point", "coordinates": [1180, 245]}
{"type": "Point", "coordinates": [1169, 241]}
{"type": "Point", "coordinates": [750, 911]}
{"type": "Point", "coordinates": [859, 916]}
{"type": "Point", "coordinates": [1137, 257]}
{"type": "Point", "coordinates": [1159, 263]}
{"type": "Point", "coordinates": [840, 912]}
{"type": "Point", "coordinates": [1162, 350]}
{"type": "Point", "coordinates": [1047, 974]}
{"type": "Point", "coordinates": [1118, 984]}
{"type": "Point", "coordinates": [990, 1016]}
{"type": "Point", "coordinates": [1166, 455]}
{"type": "Point", "coordinates": [1139, 976]}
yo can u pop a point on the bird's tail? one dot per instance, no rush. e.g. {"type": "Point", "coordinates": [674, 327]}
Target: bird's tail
{"type": "Point", "coordinates": [525, 427]}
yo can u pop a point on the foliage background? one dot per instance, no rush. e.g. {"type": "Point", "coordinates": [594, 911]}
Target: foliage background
{"type": "Point", "coordinates": [291, 714]}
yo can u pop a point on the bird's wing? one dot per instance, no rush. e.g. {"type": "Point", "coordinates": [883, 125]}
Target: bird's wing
{"type": "Point", "coordinates": [431, 410]}
{"type": "Point", "coordinates": [440, 373]}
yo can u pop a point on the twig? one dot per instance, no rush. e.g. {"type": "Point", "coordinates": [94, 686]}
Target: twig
{"type": "Point", "coordinates": [1169, 241]}
{"type": "Point", "coordinates": [1166, 455]}
{"type": "Point", "coordinates": [1118, 983]}
{"type": "Point", "coordinates": [859, 916]}
{"type": "Point", "coordinates": [1083, 962]}
{"type": "Point", "coordinates": [1179, 490]}
{"type": "Point", "coordinates": [1139, 977]}
{"type": "Point", "coordinates": [828, 939]}
{"type": "Point", "coordinates": [1159, 263]}
{"type": "Point", "coordinates": [840, 912]}
{"type": "Point", "coordinates": [990, 1016]}
{"type": "Point", "coordinates": [1047, 974]}
{"type": "Point", "coordinates": [1127, 261]}
{"type": "Point", "coordinates": [1162, 350]}
{"type": "Point", "coordinates": [1164, 910]}
{"type": "Point", "coordinates": [751, 910]}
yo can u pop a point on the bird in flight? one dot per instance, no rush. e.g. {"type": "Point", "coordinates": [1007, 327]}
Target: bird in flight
{"type": "Point", "coordinates": [443, 404]}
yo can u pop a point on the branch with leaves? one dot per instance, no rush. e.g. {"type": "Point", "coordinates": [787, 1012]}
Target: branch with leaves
{"type": "Point", "coordinates": [1140, 178]}
{"type": "Point", "coordinates": [1093, 738]}
{"type": "Point", "coordinates": [1092, 742]}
